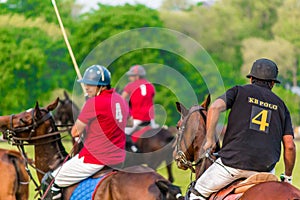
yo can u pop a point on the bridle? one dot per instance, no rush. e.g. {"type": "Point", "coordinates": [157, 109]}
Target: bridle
{"type": "Point", "coordinates": [11, 132]}
{"type": "Point", "coordinates": [180, 155]}
{"type": "Point", "coordinates": [11, 135]}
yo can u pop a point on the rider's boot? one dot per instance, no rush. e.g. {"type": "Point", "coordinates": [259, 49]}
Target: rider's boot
{"type": "Point", "coordinates": [193, 194]}
{"type": "Point", "coordinates": [56, 192]}
{"type": "Point", "coordinates": [130, 144]}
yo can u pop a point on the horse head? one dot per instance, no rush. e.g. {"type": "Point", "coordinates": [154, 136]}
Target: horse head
{"type": "Point", "coordinates": [36, 127]}
{"type": "Point", "coordinates": [67, 111]}
{"type": "Point", "coordinates": [188, 152]}
{"type": "Point", "coordinates": [25, 124]}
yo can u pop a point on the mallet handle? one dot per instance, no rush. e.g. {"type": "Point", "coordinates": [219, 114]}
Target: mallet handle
{"type": "Point", "coordinates": [68, 44]}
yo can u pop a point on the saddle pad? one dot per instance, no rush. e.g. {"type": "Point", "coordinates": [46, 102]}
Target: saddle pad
{"type": "Point", "coordinates": [239, 187]}
{"type": "Point", "coordinates": [137, 134]}
{"type": "Point", "coordinates": [253, 180]}
{"type": "Point", "coordinates": [85, 189]}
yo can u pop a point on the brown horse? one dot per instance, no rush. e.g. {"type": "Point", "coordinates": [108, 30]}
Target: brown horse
{"type": "Point", "coordinates": [65, 115]}
{"type": "Point", "coordinates": [14, 178]}
{"type": "Point", "coordinates": [188, 153]}
{"type": "Point", "coordinates": [67, 111]}
{"type": "Point", "coordinates": [37, 127]}
{"type": "Point", "coordinates": [155, 145]}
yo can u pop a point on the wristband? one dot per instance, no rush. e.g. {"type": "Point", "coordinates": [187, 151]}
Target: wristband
{"type": "Point", "coordinates": [285, 178]}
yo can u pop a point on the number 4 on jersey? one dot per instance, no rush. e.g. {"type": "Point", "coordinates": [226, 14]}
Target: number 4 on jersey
{"type": "Point", "coordinates": [260, 119]}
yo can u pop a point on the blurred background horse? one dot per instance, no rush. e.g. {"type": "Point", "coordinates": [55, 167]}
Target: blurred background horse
{"type": "Point", "coordinates": [66, 112]}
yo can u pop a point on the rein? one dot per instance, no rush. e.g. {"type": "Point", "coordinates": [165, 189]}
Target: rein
{"type": "Point", "coordinates": [181, 156]}
{"type": "Point", "coordinates": [33, 126]}
{"type": "Point", "coordinates": [12, 132]}
{"type": "Point", "coordinates": [19, 141]}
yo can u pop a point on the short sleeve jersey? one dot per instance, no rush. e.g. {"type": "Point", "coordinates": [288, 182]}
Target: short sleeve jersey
{"type": "Point", "coordinates": [141, 94]}
{"type": "Point", "coordinates": [106, 118]}
{"type": "Point", "coordinates": [256, 124]}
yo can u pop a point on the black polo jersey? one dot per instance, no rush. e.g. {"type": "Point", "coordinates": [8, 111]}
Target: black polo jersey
{"type": "Point", "coordinates": [256, 124]}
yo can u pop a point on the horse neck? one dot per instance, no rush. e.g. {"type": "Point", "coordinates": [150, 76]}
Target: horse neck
{"type": "Point", "coordinates": [48, 156]}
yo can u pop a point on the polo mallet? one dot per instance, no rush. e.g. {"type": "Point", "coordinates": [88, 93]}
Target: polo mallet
{"type": "Point", "coordinates": [77, 72]}
{"type": "Point", "coordinates": [68, 44]}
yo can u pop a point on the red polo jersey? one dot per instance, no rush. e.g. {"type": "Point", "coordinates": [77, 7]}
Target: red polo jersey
{"type": "Point", "coordinates": [141, 94]}
{"type": "Point", "coordinates": [106, 118]}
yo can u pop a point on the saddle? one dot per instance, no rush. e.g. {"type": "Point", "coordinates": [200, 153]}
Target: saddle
{"type": "Point", "coordinates": [236, 189]}
{"type": "Point", "coordinates": [139, 132]}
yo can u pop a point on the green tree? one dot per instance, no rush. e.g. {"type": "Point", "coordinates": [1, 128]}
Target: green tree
{"type": "Point", "coordinates": [279, 50]}
{"type": "Point", "coordinates": [221, 27]}
{"type": "Point", "coordinates": [37, 8]}
{"type": "Point", "coordinates": [98, 26]}
{"type": "Point", "coordinates": [21, 72]}
{"type": "Point", "coordinates": [33, 62]}
{"type": "Point", "coordinates": [176, 4]}
{"type": "Point", "coordinates": [288, 27]}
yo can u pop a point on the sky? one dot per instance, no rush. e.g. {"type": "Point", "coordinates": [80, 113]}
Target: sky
{"type": "Point", "coordinates": [150, 3]}
{"type": "Point", "coordinates": [93, 3]}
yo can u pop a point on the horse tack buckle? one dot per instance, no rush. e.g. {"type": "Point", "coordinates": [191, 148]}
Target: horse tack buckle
{"type": "Point", "coordinates": [181, 157]}
{"type": "Point", "coordinates": [9, 134]}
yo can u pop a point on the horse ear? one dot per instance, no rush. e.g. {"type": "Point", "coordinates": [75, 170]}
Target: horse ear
{"type": "Point", "coordinates": [37, 110]}
{"type": "Point", "coordinates": [66, 94]}
{"type": "Point", "coordinates": [206, 102]}
{"type": "Point", "coordinates": [53, 105]}
{"type": "Point", "coordinates": [181, 109]}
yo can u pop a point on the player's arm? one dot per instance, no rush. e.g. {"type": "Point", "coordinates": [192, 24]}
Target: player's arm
{"type": "Point", "coordinates": [125, 95]}
{"type": "Point", "coordinates": [289, 154]}
{"type": "Point", "coordinates": [213, 116]}
{"type": "Point", "coordinates": [78, 128]}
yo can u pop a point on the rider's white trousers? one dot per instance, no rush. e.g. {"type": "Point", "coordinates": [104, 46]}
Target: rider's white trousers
{"type": "Point", "coordinates": [216, 177]}
{"type": "Point", "coordinates": [136, 123]}
{"type": "Point", "coordinates": [74, 171]}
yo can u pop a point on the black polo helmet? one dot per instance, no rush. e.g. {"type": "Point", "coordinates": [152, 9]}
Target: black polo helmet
{"type": "Point", "coordinates": [264, 69]}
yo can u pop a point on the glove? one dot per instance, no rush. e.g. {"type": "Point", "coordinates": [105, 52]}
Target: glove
{"type": "Point", "coordinates": [285, 178]}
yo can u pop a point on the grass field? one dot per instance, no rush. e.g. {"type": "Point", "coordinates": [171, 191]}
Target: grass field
{"type": "Point", "coordinates": [182, 178]}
